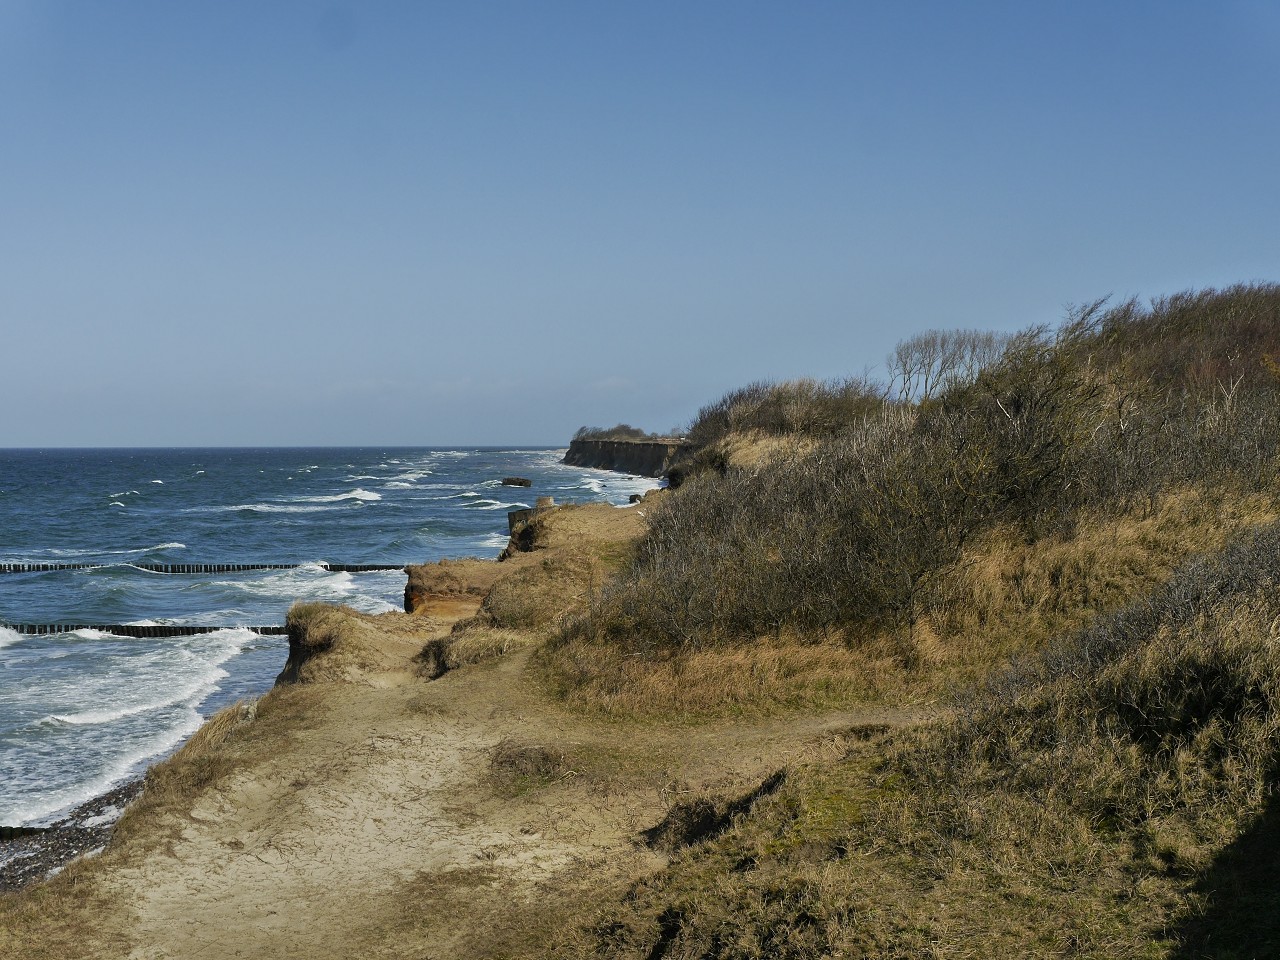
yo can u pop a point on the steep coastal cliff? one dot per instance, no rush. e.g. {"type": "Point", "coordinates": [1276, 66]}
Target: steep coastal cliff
{"type": "Point", "coordinates": [647, 458]}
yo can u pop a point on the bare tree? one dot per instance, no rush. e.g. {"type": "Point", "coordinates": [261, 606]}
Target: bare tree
{"type": "Point", "coordinates": [926, 365]}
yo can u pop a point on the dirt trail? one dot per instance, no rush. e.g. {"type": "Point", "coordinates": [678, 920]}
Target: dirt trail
{"type": "Point", "coordinates": [377, 829]}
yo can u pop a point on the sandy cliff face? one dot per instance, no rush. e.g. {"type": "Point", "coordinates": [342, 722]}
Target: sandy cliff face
{"type": "Point", "coordinates": [647, 458]}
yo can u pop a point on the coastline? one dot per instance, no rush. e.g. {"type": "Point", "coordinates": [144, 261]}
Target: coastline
{"type": "Point", "coordinates": [415, 785]}
{"type": "Point", "coordinates": [41, 853]}
{"type": "Point", "coordinates": [31, 855]}
{"type": "Point", "coordinates": [31, 849]}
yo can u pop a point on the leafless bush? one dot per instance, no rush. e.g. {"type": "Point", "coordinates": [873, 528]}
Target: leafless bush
{"type": "Point", "coordinates": [928, 364]}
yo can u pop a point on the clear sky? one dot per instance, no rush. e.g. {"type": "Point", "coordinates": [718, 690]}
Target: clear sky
{"type": "Point", "coordinates": [268, 223]}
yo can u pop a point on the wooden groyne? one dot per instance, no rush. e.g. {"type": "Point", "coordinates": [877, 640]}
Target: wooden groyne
{"type": "Point", "coordinates": [133, 629]}
{"type": "Point", "coordinates": [198, 567]}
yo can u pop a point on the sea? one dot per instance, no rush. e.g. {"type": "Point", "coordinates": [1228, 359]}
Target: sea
{"type": "Point", "coordinates": [84, 711]}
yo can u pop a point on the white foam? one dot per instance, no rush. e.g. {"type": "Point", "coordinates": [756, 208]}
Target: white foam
{"type": "Point", "coordinates": [47, 806]}
{"type": "Point", "coordinates": [191, 693]}
{"type": "Point", "coordinates": [90, 634]}
{"type": "Point", "coordinates": [97, 553]}
{"type": "Point", "coordinates": [398, 485]}
{"type": "Point", "coordinates": [496, 505]}
{"type": "Point", "coordinates": [157, 481]}
{"type": "Point", "coordinates": [8, 637]}
{"type": "Point", "coordinates": [374, 605]}
{"type": "Point", "coordinates": [310, 579]}
{"type": "Point", "coordinates": [115, 503]}
{"type": "Point", "coordinates": [267, 508]}
{"type": "Point", "coordinates": [357, 494]}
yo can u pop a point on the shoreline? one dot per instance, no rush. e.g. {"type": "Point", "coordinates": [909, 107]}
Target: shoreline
{"type": "Point", "coordinates": [86, 830]}
{"type": "Point", "coordinates": [36, 854]}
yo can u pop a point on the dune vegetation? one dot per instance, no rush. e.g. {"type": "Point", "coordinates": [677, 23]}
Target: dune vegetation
{"type": "Point", "coordinates": [1067, 541]}
{"type": "Point", "coordinates": [981, 659]}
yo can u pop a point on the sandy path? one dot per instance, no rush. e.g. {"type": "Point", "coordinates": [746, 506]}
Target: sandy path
{"type": "Point", "coordinates": [375, 830]}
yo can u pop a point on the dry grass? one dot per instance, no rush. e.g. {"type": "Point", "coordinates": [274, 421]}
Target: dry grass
{"type": "Point", "coordinates": [512, 921]}
{"type": "Point", "coordinates": [1110, 797]}
{"type": "Point", "coordinates": [59, 920]}
{"type": "Point", "coordinates": [474, 644]}
{"type": "Point", "coordinates": [340, 645]}
{"type": "Point", "coordinates": [1007, 596]}
{"type": "Point", "coordinates": [761, 677]}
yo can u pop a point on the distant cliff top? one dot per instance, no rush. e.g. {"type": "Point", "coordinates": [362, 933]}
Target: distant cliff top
{"type": "Point", "coordinates": [624, 431]}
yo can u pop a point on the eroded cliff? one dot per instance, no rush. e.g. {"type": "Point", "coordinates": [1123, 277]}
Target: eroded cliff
{"type": "Point", "coordinates": [646, 458]}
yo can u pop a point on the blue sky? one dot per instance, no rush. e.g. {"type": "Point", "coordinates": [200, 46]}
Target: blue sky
{"type": "Point", "coordinates": [427, 223]}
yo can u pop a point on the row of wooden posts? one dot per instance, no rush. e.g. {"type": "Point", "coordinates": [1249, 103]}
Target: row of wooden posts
{"type": "Point", "coordinates": [198, 567]}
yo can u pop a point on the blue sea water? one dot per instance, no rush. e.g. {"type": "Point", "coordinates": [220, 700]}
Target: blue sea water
{"type": "Point", "coordinates": [83, 711]}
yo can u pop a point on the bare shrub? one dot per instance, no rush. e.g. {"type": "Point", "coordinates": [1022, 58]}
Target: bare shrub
{"type": "Point", "coordinates": [928, 364]}
{"type": "Point", "coordinates": [854, 532]}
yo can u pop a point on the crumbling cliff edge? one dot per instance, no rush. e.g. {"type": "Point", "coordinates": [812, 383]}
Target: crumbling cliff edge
{"type": "Point", "coordinates": [647, 458]}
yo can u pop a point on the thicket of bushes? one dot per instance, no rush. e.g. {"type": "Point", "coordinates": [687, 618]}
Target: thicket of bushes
{"type": "Point", "coordinates": [1024, 431]}
{"type": "Point", "coordinates": [623, 431]}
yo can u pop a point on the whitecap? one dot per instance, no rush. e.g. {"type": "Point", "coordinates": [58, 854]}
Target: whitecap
{"type": "Point", "coordinates": [48, 805]}
{"type": "Point", "coordinates": [8, 637]}
{"type": "Point", "coordinates": [356, 494]}
{"type": "Point", "coordinates": [157, 481]}
{"type": "Point", "coordinates": [496, 505]}
{"type": "Point", "coordinates": [191, 693]}
{"type": "Point", "coordinates": [264, 508]}
{"type": "Point", "coordinates": [115, 503]}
